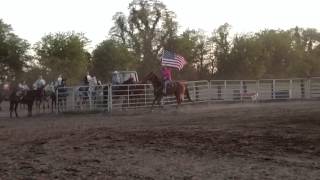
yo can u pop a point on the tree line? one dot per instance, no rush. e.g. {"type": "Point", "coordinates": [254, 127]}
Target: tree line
{"type": "Point", "coordinates": [136, 41]}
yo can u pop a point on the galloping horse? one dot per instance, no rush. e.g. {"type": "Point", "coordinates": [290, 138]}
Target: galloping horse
{"type": "Point", "coordinates": [176, 88]}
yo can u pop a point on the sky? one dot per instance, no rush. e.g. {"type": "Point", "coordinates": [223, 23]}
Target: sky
{"type": "Point", "coordinates": [32, 19]}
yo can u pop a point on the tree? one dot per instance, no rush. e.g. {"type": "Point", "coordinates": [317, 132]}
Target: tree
{"type": "Point", "coordinates": [246, 58]}
{"type": "Point", "coordinates": [110, 56]}
{"type": "Point", "coordinates": [192, 45]}
{"type": "Point", "coordinates": [221, 50]}
{"type": "Point", "coordinates": [63, 53]}
{"type": "Point", "coordinates": [145, 31]}
{"type": "Point", "coordinates": [13, 53]}
{"type": "Point", "coordinates": [305, 43]}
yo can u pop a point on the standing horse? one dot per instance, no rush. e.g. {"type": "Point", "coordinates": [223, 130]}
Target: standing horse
{"type": "Point", "coordinates": [50, 94]}
{"type": "Point", "coordinates": [62, 94]}
{"type": "Point", "coordinates": [87, 93]}
{"type": "Point", "coordinates": [18, 96]}
{"type": "Point", "coordinates": [176, 88]}
{"type": "Point", "coordinates": [40, 98]}
{"type": "Point", "coordinates": [128, 90]}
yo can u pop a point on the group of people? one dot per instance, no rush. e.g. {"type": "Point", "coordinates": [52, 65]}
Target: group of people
{"type": "Point", "coordinates": [40, 83]}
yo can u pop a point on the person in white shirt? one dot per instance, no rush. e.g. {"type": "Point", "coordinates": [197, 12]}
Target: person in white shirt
{"type": "Point", "coordinates": [59, 80]}
{"type": "Point", "coordinates": [40, 83]}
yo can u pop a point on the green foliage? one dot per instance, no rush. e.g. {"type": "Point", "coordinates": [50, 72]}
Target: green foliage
{"type": "Point", "coordinates": [192, 45]}
{"type": "Point", "coordinates": [63, 53]}
{"type": "Point", "coordinates": [221, 50]}
{"type": "Point", "coordinates": [13, 53]}
{"type": "Point", "coordinates": [268, 54]}
{"type": "Point", "coordinates": [110, 56]}
{"type": "Point", "coordinates": [137, 40]}
{"type": "Point", "coordinates": [147, 28]}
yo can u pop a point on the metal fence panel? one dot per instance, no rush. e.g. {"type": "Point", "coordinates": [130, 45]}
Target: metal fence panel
{"type": "Point", "coordinates": [119, 97]}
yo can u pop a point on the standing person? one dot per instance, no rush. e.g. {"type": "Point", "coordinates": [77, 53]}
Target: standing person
{"type": "Point", "coordinates": [166, 77]}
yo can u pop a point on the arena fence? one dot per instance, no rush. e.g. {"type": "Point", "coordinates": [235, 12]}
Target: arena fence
{"type": "Point", "coordinates": [118, 97]}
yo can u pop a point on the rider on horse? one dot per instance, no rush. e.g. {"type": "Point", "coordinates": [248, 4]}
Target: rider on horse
{"type": "Point", "coordinates": [39, 86]}
{"type": "Point", "coordinates": [40, 83]}
{"type": "Point", "coordinates": [59, 80]}
{"type": "Point", "coordinates": [87, 79]}
{"type": "Point", "coordinates": [166, 77]}
{"type": "Point", "coordinates": [23, 87]}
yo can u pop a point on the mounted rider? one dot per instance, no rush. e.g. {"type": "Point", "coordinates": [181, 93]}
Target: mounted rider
{"type": "Point", "coordinates": [59, 80]}
{"type": "Point", "coordinates": [39, 84]}
{"type": "Point", "coordinates": [87, 78]}
{"type": "Point", "coordinates": [166, 77]}
{"type": "Point", "coordinates": [23, 87]}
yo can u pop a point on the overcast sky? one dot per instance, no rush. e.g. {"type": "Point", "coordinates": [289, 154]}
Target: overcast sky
{"type": "Point", "coordinates": [32, 19]}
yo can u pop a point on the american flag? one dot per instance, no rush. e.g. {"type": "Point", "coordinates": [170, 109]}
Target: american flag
{"type": "Point", "coordinates": [172, 60]}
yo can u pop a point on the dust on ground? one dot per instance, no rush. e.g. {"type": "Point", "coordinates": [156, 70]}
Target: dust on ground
{"type": "Point", "coordinates": [206, 141]}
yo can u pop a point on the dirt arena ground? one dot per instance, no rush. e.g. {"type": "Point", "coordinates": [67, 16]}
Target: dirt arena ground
{"type": "Point", "coordinates": [208, 141]}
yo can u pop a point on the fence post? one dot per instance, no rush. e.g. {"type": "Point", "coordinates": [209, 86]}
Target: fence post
{"type": "Point", "coordinates": [145, 94]}
{"type": "Point", "coordinates": [209, 93]}
{"type": "Point", "coordinates": [225, 90]}
{"type": "Point", "coordinates": [241, 90]}
{"type": "Point", "coordinates": [258, 89]}
{"type": "Point", "coordinates": [310, 88]}
{"type": "Point", "coordinates": [194, 91]}
{"type": "Point", "coordinates": [273, 89]}
{"type": "Point", "coordinates": [90, 99]}
{"type": "Point", "coordinates": [290, 89]}
{"type": "Point", "coordinates": [57, 101]}
{"type": "Point", "coordinates": [109, 98]}
{"type": "Point", "coordinates": [128, 95]}
{"type": "Point", "coordinates": [73, 99]}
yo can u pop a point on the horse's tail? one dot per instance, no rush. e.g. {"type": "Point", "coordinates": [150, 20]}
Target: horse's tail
{"type": "Point", "coordinates": [187, 94]}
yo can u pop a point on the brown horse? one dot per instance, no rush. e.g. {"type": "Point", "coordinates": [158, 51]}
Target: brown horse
{"type": "Point", "coordinates": [18, 96]}
{"type": "Point", "coordinates": [177, 88]}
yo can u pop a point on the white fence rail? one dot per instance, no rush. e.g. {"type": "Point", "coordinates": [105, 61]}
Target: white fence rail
{"type": "Point", "coordinates": [118, 97]}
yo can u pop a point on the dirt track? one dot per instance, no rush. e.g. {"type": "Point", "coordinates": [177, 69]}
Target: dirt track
{"type": "Point", "coordinates": [236, 141]}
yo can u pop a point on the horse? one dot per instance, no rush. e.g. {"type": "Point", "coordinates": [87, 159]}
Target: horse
{"type": "Point", "coordinates": [62, 94]}
{"type": "Point", "coordinates": [40, 97]}
{"type": "Point", "coordinates": [88, 92]}
{"type": "Point", "coordinates": [177, 88]}
{"type": "Point", "coordinates": [50, 94]}
{"type": "Point", "coordinates": [129, 90]}
{"type": "Point", "coordinates": [23, 97]}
